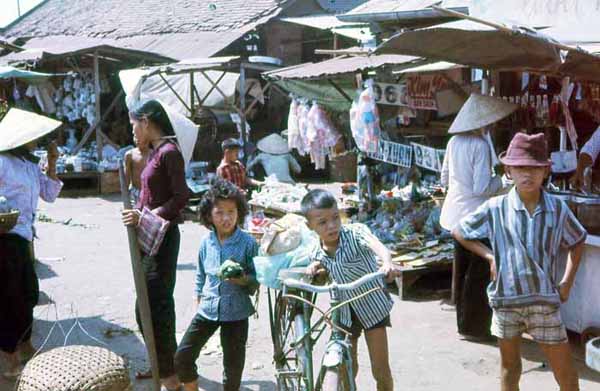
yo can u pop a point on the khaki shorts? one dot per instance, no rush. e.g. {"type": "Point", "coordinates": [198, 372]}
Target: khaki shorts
{"type": "Point", "coordinates": [542, 322]}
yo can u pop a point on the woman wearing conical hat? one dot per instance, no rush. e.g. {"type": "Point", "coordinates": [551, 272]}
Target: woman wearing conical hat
{"type": "Point", "coordinates": [467, 173]}
{"type": "Point", "coordinates": [22, 183]}
{"type": "Point", "coordinates": [275, 158]}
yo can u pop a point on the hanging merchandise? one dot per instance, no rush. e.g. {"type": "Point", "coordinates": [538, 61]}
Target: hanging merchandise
{"type": "Point", "coordinates": [75, 99]}
{"type": "Point", "coordinates": [321, 136]}
{"type": "Point", "coordinates": [364, 121]}
{"type": "Point", "coordinates": [565, 96]}
{"type": "Point", "coordinates": [303, 110]}
{"type": "Point", "coordinates": [294, 138]}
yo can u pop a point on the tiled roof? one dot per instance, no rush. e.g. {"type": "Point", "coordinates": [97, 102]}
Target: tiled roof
{"type": "Point", "coordinates": [125, 18]}
{"type": "Point", "coordinates": [340, 6]}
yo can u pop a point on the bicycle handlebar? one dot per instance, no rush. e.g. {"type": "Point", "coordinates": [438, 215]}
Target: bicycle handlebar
{"type": "Point", "coordinates": [292, 283]}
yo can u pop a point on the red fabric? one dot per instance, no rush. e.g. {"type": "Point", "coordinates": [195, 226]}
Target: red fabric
{"type": "Point", "coordinates": [527, 150]}
{"type": "Point", "coordinates": [233, 172]}
{"type": "Point", "coordinates": [163, 183]}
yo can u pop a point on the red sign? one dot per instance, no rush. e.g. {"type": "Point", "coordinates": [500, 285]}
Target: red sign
{"type": "Point", "coordinates": [422, 89]}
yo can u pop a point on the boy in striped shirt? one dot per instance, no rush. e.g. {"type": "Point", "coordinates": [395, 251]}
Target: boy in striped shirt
{"type": "Point", "coordinates": [527, 227]}
{"type": "Point", "coordinates": [346, 253]}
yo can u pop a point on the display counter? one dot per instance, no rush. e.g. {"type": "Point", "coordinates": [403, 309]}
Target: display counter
{"type": "Point", "coordinates": [582, 310]}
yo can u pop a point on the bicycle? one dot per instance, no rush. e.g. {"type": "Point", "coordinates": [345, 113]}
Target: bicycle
{"type": "Point", "coordinates": [335, 373]}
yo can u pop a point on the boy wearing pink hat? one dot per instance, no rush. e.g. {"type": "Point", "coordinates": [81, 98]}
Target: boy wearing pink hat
{"type": "Point", "coordinates": [526, 228]}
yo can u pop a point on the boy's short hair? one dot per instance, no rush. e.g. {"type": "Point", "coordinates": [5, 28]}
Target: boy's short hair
{"type": "Point", "coordinates": [231, 143]}
{"type": "Point", "coordinates": [221, 189]}
{"type": "Point", "coordinates": [317, 199]}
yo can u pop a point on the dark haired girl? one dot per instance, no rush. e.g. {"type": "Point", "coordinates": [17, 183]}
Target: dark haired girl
{"type": "Point", "coordinates": [222, 302]}
{"type": "Point", "coordinates": [165, 193]}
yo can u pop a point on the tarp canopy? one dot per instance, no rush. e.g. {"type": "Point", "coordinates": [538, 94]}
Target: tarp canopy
{"type": "Point", "coordinates": [8, 72]}
{"type": "Point", "coordinates": [477, 45]}
{"type": "Point", "coordinates": [358, 31]}
{"type": "Point", "coordinates": [322, 92]}
{"type": "Point", "coordinates": [340, 66]}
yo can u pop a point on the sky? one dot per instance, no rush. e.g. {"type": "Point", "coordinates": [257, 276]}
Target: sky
{"type": "Point", "coordinates": [8, 9]}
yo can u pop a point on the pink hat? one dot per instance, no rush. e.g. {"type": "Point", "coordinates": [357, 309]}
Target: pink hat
{"type": "Point", "coordinates": [527, 150]}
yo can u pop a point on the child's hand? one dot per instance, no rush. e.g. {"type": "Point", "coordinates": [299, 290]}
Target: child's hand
{"type": "Point", "coordinates": [492, 262]}
{"type": "Point", "coordinates": [239, 281]}
{"type": "Point", "coordinates": [391, 271]}
{"type": "Point", "coordinates": [564, 289]}
{"type": "Point", "coordinates": [315, 268]}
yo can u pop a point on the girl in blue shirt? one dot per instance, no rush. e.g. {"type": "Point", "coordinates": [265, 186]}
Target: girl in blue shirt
{"type": "Point", "coordinates": [222, 303]}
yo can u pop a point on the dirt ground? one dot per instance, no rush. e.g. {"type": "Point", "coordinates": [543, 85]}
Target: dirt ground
{"type": "Point", "coordinates": [87, 282]}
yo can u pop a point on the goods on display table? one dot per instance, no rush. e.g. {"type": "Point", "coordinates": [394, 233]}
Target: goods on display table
{"type": "Point", "coordinates": [278, 197]}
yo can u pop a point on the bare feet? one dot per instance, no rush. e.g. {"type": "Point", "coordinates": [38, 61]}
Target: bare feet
{"type": "Point", "coordinates": [193, 386]}
{"type": "Point", "coordinates": [171, 383]}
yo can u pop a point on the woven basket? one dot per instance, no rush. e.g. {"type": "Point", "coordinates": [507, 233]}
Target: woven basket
{"type": "Point", "coordinates": [75, 368]}
{"type": "Point", "coordinates": [8, 220]}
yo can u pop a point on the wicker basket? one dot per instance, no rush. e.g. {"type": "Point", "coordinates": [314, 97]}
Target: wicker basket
{"type": "Point", "coordinates": [8, 220]}
{"type": "Point", "coordinates": [73, 368]}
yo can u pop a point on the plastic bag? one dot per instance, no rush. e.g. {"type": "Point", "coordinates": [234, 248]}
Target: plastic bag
{"type": "Point", "coordinates": [268, 267]}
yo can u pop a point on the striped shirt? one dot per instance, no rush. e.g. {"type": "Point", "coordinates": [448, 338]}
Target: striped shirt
{"type": "Point", "coordinates": [234, 172]}
{"type": "Point", "coordinates": [354, 259]}
{"type": "Point", "coordinates": [526, 248]}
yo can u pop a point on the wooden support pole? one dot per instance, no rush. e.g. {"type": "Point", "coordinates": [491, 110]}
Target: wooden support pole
{"type": "Point", "coordinates": [338, 89]}
{"type": "Point", "coordinates": [183, 102]}
{"type": "Point", "coordinates": [191, 94]}
{"type": "Point", "coordinates": [141, 288]}
{"type": "Point", "coordinates": [255, 101]}
{"type": "Point", "coordinates": [243, 110]}
{"type": "Point", "coordinates": [97, 91]}
{"type": "Point", "coordinates": [214, 85]}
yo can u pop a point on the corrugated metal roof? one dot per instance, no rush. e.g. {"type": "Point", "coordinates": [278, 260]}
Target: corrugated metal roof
{"type": "Point", "coordinates": [339, 66]}
{"type": "Point", "coordinates": [385, 6]}
{"type": "Point", "coordinates": [340, 6]}
{"type": "Point", "coordinates": [434, 67]}
{"type": "Point", "coordinates": [358, 31]}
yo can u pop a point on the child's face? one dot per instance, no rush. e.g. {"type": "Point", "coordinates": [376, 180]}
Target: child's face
{"type": "Point", "coordinates": [528, 179]}
{"type": "Point", "coordinates": [231, 154]}
{"type": "Point", "coordinates": [326, 223]}
{"type": "Point", "coordinates": [224, 216]}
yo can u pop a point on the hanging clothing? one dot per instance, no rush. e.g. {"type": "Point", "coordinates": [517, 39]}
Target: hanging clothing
{"type": "Point", "coordinates": [364, 121]}
{"type": "Point", "coordinates": [321, 136]}
{"type": "Point", "coordinates": [294, 137]}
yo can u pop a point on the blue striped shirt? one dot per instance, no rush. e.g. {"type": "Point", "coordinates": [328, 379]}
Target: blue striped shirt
{"type": "Point", "coordinates": [354, 259]}
{"type": "Point", "coordinates": [222, 300]}
{"type": "Point", "coordinates": [526, 247]}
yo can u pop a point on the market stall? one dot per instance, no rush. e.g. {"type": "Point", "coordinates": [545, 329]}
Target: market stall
{"type": "Point", "coordinates": [83, 95]}
{"type": "Point", "coordinates": [557, 94]}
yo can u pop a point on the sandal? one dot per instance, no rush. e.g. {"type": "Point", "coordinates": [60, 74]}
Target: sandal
{"type": "Point", "coordinates": [147, 374]}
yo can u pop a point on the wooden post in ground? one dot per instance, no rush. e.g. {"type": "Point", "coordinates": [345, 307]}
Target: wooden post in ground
{"type": "Point", "coordinates": [141, 288]}
{"type": "Point", "coordinates": [97, 92]}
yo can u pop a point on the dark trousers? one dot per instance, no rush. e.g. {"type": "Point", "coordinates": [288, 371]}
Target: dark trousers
{"type": "Point", "coordinates": [473, 312]}
{"type": "Point", "coordinates": [19, 291]}
{"type": "Point", "coordinates": [234, 336]}
{"type": "Point", "coordinates": [161, 272]}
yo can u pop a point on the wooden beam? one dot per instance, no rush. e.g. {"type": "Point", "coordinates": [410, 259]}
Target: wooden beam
{"type": "Point", "coordinates": [191, 94]}
{"type": "Point", "coordinates": [98, 93]}
{"type": "Point", "coordinates": [338, 89]}
{"type": "Point", "coordinates": [183, 102]}
{"type": "Point", "coordinates": [141, 287]}
{"type": "Point", "coordinates": [243, 110]}
{"type": "Point", "coordinates": [215, 84]}
{"type": "Point", "coordinates": [88, 132]}
{"type": "Point", "coordinates": [213, 87]}
{"type": "Point", "coordinates": [255, 101]}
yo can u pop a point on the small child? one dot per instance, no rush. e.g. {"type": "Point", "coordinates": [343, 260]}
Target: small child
{"type": "Point", "coordinates": [135, 161]}
{"type": "Point", "coordinates": [527, 227]}
{"type": "Point", "coordinates": [348, 252]}
{"type": "Point", "coordinates": [223, 304]}
{"type": "Point", "coordinates": [232, 169]}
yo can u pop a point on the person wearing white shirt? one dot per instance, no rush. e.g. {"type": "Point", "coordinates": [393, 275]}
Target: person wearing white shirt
{"type": "Point", "coordinates": [467, 173]}
{"type": "Point", "coordinates": [21, 182]}
{"type": "Point", "coordinates": [588, 157]}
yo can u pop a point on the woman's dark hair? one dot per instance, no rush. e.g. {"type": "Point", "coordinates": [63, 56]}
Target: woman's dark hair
{"type": "Point", "coordinates": [317, 199]}
{"type": "Point", "coordinates": [221, 189]}
{"type": "Point", "coordinates": [153, 111]}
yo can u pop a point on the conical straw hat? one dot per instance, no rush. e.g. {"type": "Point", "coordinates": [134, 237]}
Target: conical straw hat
{"type": "Point", "coordinates": [480, 111]}
{"type": "Point", "coordinates": [273, 144]}
{"type": "Point", "coordinates": [19, 127]}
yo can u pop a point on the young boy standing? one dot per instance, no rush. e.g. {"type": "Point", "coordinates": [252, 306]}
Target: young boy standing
{"type": "Point", "coordinates": [135, 161]}
{"type": "Point", "coordinates": [346, 253]}
{"type": "Point", "coordinates": [527, 227]}
{"type": "Point", "coordinates": [231, 169]}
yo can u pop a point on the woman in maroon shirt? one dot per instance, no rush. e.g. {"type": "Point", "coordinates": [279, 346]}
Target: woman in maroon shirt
{"type": "Point", "coordinates": [165, 193]}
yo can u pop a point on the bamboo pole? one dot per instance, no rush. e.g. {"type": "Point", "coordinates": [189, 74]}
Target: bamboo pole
{"type": "Point", "coordinates": [141, 287]}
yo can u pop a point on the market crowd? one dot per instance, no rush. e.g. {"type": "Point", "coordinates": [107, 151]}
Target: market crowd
{"type": "Point", "coordinates": [508, 235]}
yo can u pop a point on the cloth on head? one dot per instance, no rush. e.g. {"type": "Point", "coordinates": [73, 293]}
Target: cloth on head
{"type": "Point", "coordinates": [186, 132]}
